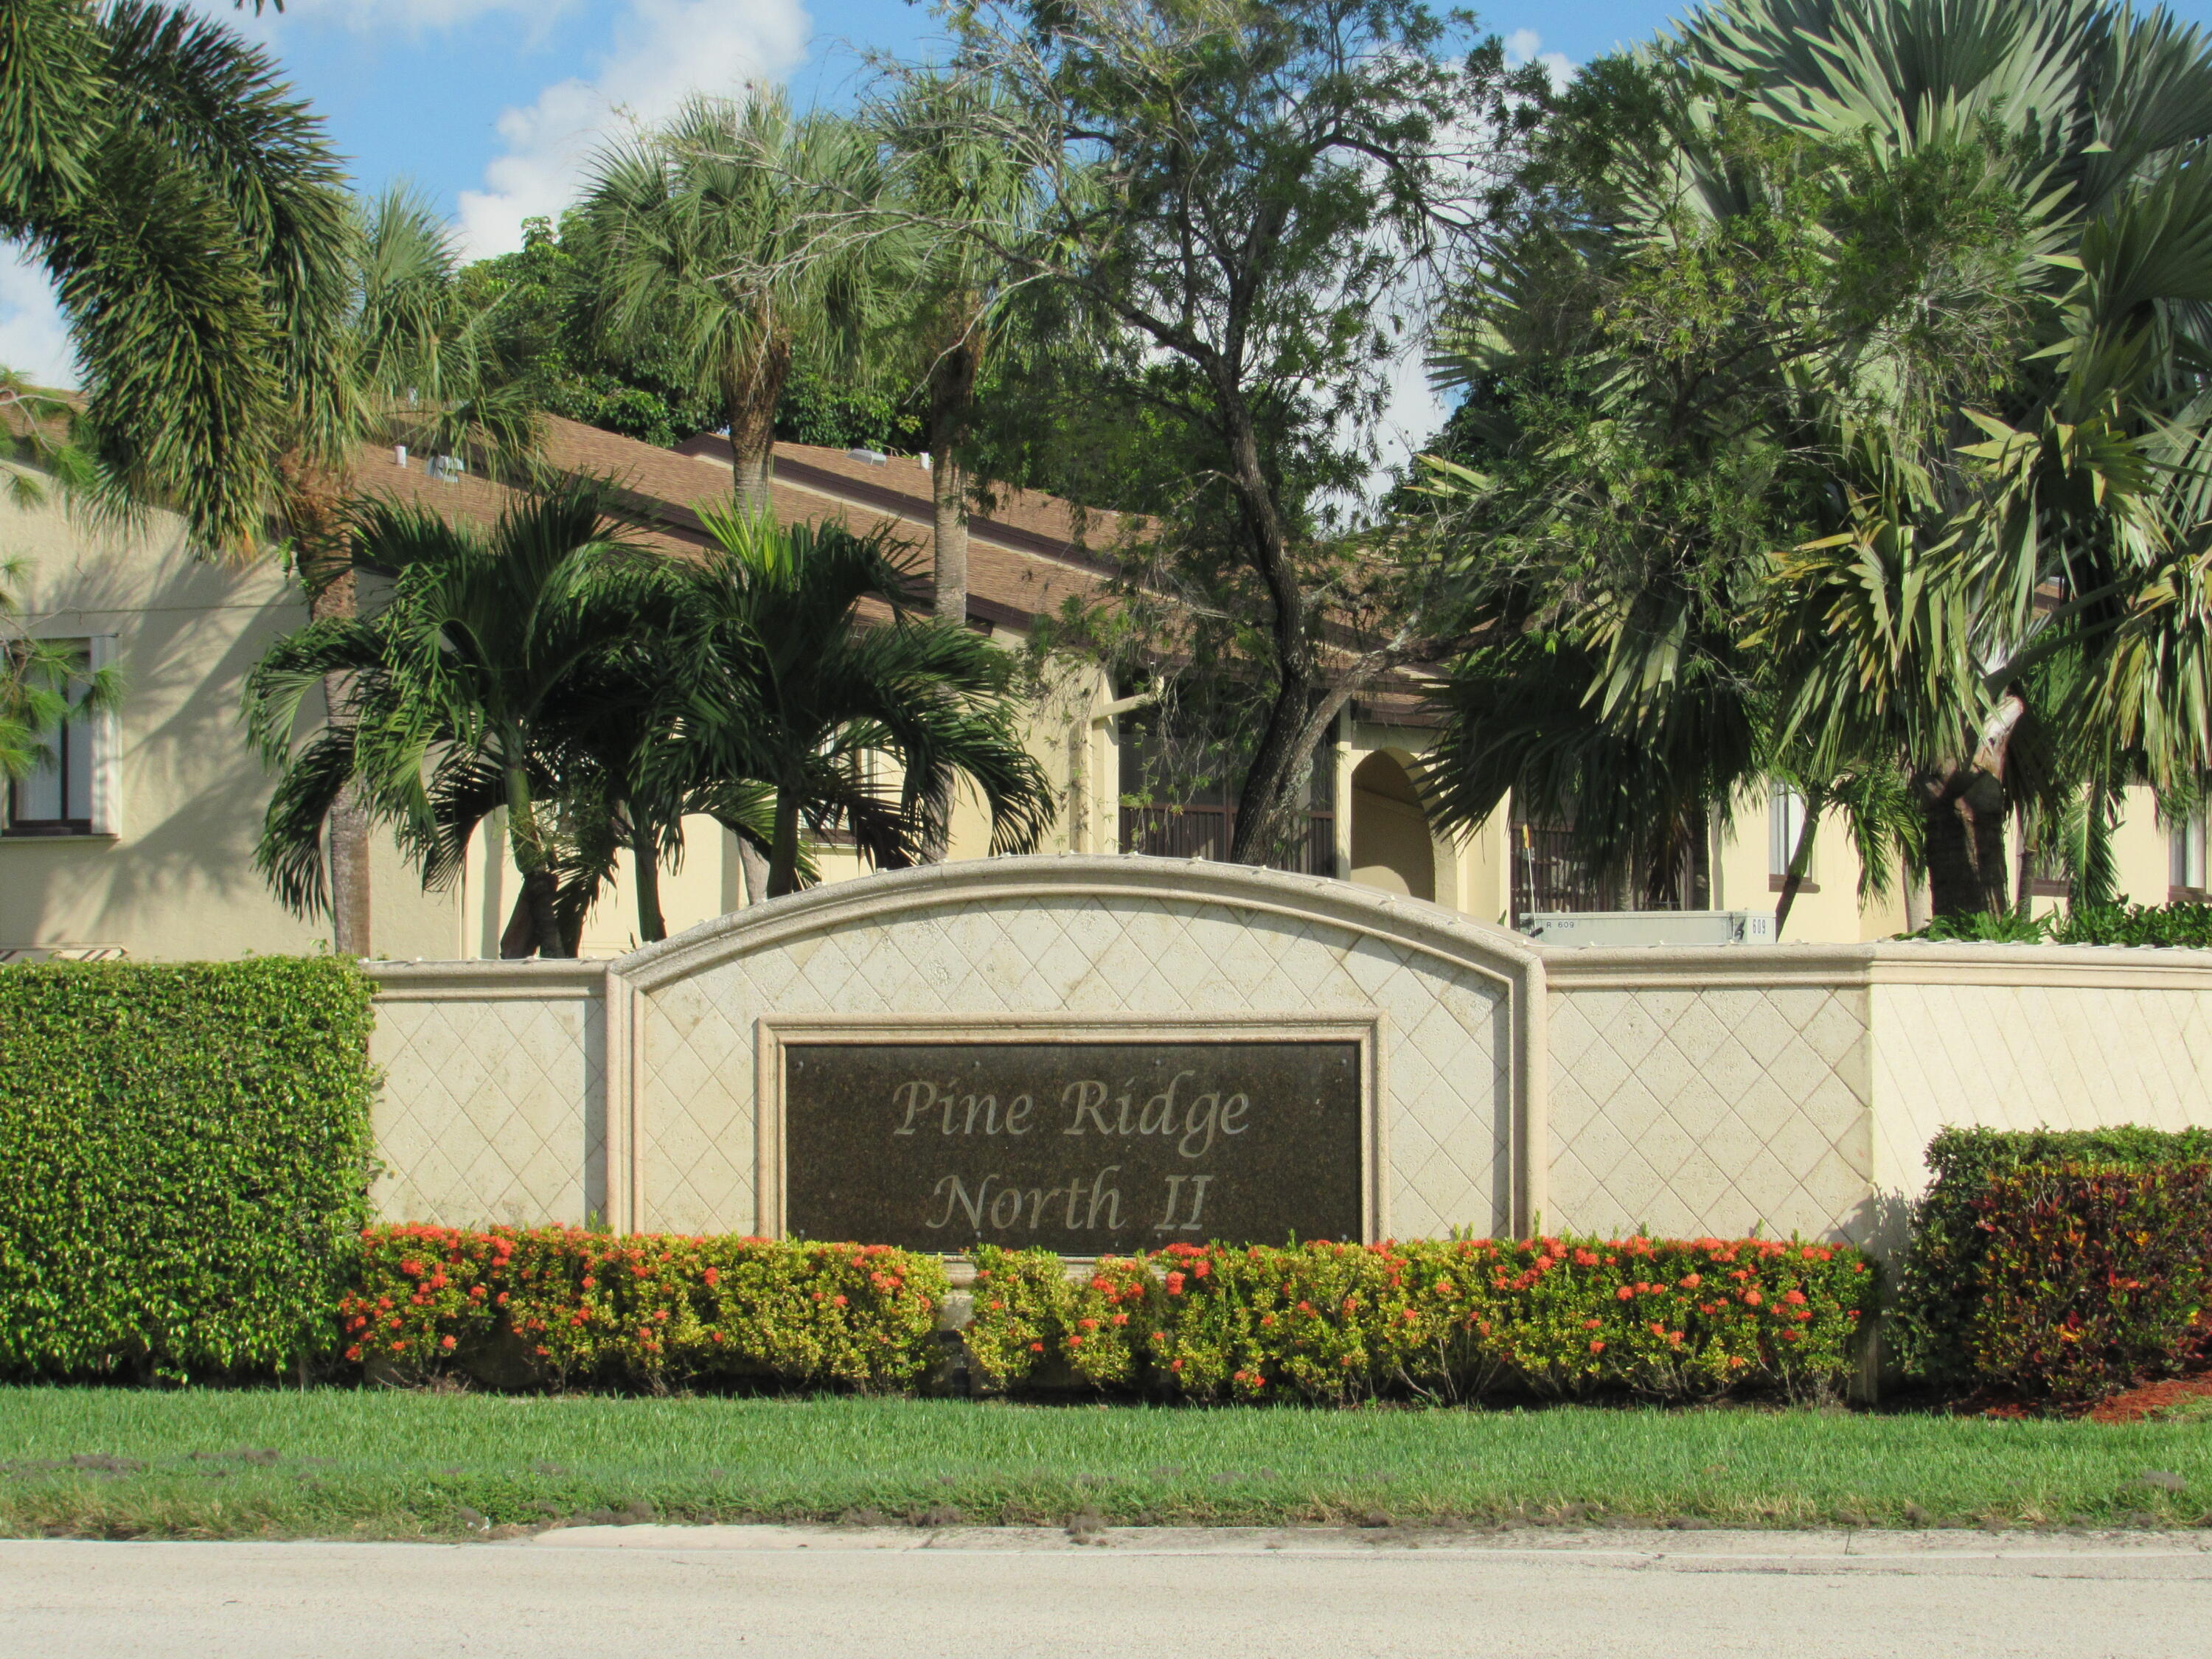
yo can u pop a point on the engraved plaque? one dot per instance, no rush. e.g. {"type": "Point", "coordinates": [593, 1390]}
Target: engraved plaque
{"type": "Point", "coordinates": [1086, 1148]}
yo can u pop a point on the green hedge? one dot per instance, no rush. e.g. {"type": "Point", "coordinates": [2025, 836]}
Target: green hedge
{"type": "Point", "coordinates": [2091, 1278]}
{"type": "Point", "coordinates": [560, 1307]}
{"type": "Point", "coordinates": [182, 1162]}
{"type": "Point", "coordinates": [1453, 1319]}
{"type": "Point", "coordinates": [1941, 1281]}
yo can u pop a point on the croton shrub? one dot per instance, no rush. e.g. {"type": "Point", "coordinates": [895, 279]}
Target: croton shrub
{"type": "Point", "coordinates": [2089, 1278]}
{"type": "Point", "coordinates": [1947, 1277]}
{"type": "Point", "coordinates": [1451, 1319]}
{"type": "Point", "coordinates": [563, 1306]}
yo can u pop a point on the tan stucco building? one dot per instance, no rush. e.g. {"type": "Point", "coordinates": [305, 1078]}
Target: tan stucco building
{"type": "Point", "coordinates": [139, 841]}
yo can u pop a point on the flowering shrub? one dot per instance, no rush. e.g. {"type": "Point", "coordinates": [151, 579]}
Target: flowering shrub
{"type": "Point", "coordinates": [184, 1162]}
{"type": "Point", "coordinates": [1323, 1321]}
{"type": "Point", "coordinates": [560, 1305]}
{"type": "Point", "coordinates": [1939, 1282]}
{"type": "Point", "coordinates": [2090, 1279]}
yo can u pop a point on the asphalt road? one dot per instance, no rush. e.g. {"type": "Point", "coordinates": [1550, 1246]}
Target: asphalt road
{"type": "Point", "coordinates": [671, 1593]}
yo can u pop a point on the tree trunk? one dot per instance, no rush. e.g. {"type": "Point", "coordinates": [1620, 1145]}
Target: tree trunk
{"type": "Point", "coordinates": [951, 396]}
{"type": "Point", "coordinates": [540, 887]}
{"type": "Point", "coordinates": [752, 429]}
{"type": "Point", "coordinates": [645, 857]}
{"type": "Point", "coordinates": [783, 861]}
{"type": "Point", "coordinates": [519, 938]}
{"type": "Point", "coordinates": [755, 870]}
{"type": "Point", "coordinates": [1964, 808]}
{"type": "Point", "coordinates": [949, 499]}
{"type": "Point", "coordinates": [325, 562]}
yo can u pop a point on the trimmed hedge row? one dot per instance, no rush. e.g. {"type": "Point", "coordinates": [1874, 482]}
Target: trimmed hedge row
{"type": "Point", "coordinates": [1452, 1319]}
{"type": "Point", "coordinates": [182, 1162]}
{"type": "Point", "coordinates": [555, 1307]}
{"type": "Point", "coordinates": [1948, 1273]}
{"type": "Point", "coordinates": [560, 1307]}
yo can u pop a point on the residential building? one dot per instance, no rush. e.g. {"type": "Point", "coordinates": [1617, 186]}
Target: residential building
{"type": "Point", "coordinates": [139, 840]}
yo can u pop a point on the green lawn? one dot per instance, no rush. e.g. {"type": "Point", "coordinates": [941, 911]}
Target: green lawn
{"type": "Point", "coordinates": [339, 1463]}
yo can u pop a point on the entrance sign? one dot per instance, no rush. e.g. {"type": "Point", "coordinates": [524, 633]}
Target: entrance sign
{"type": "Point", "coordinates": [1086, 1148]}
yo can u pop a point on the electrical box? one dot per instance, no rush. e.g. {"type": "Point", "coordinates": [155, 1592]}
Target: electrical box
{"type": "Point", "coordinates": [1630, 927]}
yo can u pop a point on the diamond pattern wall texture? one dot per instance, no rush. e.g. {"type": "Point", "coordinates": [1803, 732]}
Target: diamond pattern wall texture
{"type": "Point", "coordinates": [1709, 1111]}
{"type": "Point", "coordinates": [492, 1110]}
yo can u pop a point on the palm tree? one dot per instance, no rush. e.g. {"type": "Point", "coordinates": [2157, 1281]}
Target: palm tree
{"type": "Point", "coordinates": [857, 727]}
{"type": "Point", "coordinates": [624, 783]}
{"type": "Point", "coordinates": [698, 222]}
{"type": "Point", "coordinates": [2084, 480]}
{"type": "Point", "coordinates": [1977, 424]}
{"type": "Point", "coordinates": [451, 690]}
{"type": "Point", "coordinates": [952, 194]}
{"type": "Point", "coordinates": [415, 365]}
{"type": "Point", "coordinates": [192, 216]}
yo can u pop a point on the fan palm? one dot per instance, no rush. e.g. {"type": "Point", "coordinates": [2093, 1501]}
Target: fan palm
{"type": "Point", "coordinates": [451, 691]}
{"type": "Point", "coordinates": [2086, 478]}
{"type": "Point", "coordinates": [858, 727]}
{"type": "Point", "coordinates": [191, 216]}
{"type": "Point", "coordinates": [954, 195]}
{"type": "Point", "coordinates": [1980, 407]}
{"type": "Point", "coordinates": [699, 221]}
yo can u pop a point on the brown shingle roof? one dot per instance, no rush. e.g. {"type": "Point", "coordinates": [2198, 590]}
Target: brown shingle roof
{"type": "Point", "coordinates": [1025, 558]}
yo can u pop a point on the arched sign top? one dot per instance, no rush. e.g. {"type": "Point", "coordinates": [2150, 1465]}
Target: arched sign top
{"type": "Point", "coordinates": [887, 896]}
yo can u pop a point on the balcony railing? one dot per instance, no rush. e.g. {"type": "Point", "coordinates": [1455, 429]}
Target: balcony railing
{"type": "Point", "coordinates": [1205, 832]}
{"type": "Point", "coordinates": [1549, 876]}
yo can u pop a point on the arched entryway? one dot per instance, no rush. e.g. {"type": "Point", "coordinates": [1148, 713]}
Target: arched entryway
{"type": "Point", "coordinates": [1391, 849]}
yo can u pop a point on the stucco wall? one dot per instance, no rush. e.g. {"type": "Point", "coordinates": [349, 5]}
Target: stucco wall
{"type": "Point", "coordinates": [1055, 939]}
{"type": "Point", "coordinates": [1784, 1089]}
{"type": "Point", "coordinates": [2014, 1038]}
{"type": "Point", "coordinates": [494, 1103]}
{"type": "Point", "coordinates": [1709, 1109]}
{"type": "Point", "coordinates": [177, 879]}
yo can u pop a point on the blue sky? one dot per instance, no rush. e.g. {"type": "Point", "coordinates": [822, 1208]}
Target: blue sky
{"type": "Point", "coordinates": [492, 106]}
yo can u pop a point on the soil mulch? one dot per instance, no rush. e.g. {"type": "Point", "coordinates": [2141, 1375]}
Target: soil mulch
{"type": "Point", "coordinates": [2151, 1399]}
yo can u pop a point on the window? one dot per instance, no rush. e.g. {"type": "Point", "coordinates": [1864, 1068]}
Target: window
{"type": "Point", "coordinates": [69, 792]}
{"type": "Point", "coordinates": [1785, 822]}
{"type": "Point", "coordinates": [2185, 871]}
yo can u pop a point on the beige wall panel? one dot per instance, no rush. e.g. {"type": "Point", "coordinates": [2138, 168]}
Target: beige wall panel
{"type": "Point", "coordinates": [492, 1107]}
{"type": "Point", "coordinates": [2023, 1056]}
{"type": "Point", "coordinates": [1708, 1110]}
{"type": "Point", "coordinates": [2142, 847]}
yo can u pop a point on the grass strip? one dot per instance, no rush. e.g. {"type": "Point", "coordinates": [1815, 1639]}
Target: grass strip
{"type": "Point", "coordinates": [346, 1463]}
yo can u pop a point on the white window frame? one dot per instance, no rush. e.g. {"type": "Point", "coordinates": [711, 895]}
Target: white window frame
{"type": "Point", "coordinates": [2186, 852]}
{"type": "Point", "coordinates": [1785, 822]}
{"type": "Point", "coordinates": [105, 741]}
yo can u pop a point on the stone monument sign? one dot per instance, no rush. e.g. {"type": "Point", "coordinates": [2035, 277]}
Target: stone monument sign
{"type": "Point", "coordinates": [1086, 1147]}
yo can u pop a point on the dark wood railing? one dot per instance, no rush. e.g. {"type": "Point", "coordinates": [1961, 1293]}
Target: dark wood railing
{"type": "Point", "coordinates": [1205, 832]}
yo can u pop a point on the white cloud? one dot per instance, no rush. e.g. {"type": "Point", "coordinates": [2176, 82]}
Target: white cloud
{"type": "Point", "coordinates": [664, 51]}
{"type": "Point", "coordinates": [1522, 47]}
{"type": "Point", "coordinates": [32, 340]}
